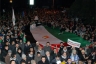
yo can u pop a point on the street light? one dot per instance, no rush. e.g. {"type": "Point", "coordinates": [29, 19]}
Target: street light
{"type": "Point", "coordinates": [10, 1]}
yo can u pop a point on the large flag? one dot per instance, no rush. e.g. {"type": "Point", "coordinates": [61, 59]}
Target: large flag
{"type": "Point", "coordinates": [41, 35]}
{"type": "Point", "coordinates": [73, 43]}
{"type": "Point", "coordinates": [13, 17]}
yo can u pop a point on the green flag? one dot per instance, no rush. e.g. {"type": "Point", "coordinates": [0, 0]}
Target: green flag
{"type": "Point", "coordinates": [24, 38]}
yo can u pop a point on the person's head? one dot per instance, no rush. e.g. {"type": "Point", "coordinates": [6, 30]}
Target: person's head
{"type": "Point", "coordinates": [28, 43]}
{"type": "Point", "coordinates": [7, 43]}
{"type": "Point", "coordinates": [7, 37]}
{"type": "Point", "coordinates": [13, 55]}
{"type": "Point", "coordinates": [94, 52]}
{"type": "Point", "coordinates": [47, 53]}
{"type": "Point", "coordinates": [31, 53]}
{"type": "Point", "coordinates": [83, 51]}
{"type": "Point", "coordinates": [89, 61]}
{"type": "Point", "coordinates": [33, 62]}
{"type": "Point", "coordinates": [17, 40]}
{"type": "Point", "coordinates": [9, 52]}
{"type": "Point", "coordinates": [37, 43]}
{"type": "Point", "coordinates": [24, 56]}
{"type": "Point", "coordinates": [15, 31]}
{"type": "Point", "coordinates": [48, 44]}
{"type": "Point", "coordinates": [17, 45]}
{"type": "Point", "coordinates": [40, 48]}
{"type": "Point", "coordinates": [80, 48]}
{"type": "Point", "coordinates": [64, 47]}
{"type": "Point", "coordinates": [57, 57]}
{"type": "Point", "coordinates": [74, 52]}
{"type": "Point", "coordinates": [31, 49]}
{"type": "Point", "coordinates": [55, 50]}
{"type": "Point", "coordinates": [13, 42]}
{"type": "Point", "coordinates": [2, 32]}
{"type": "Point", "coordinates": [19, 50]}
{"type": "Point", "coordinates": [87, 46]}
{"type": "Point", "coordinates": [64, 54]}
{"type": "Point", "coordinates": [23, 62]}
{"type": "Point", "coordinates": [15, 34]}
{"type": "Point", "coordinates": [80, 62]}
{"type": "Point", "coordinates": [12, 36]}
{"type": "Point", "coordinates": [38, 54]}
{"type": "Point", "coordinates": [69, 60]}
{"type": "Point", "coordinates": [73, 62]}
{"type": "Point", "coordinates": [61, 43]}
{"type": "Point", "coordinates": [20, 41]}
{"type": "Point", "coordinates": [95, 42]}
{"type": "Point", "coordinates": [43, 59]}
{"type": "Point", "coordinates": [6, 47]}
{"type": "Point", "coordinates": [12, 62]}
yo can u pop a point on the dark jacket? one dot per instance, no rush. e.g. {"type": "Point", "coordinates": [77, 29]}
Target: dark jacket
{"type": "Point", "coordinates": [26, 48]}
{"type": "Point", "coordinates": [14, 50]}
{"type": "Point", "coordinates": [64, 59]}
{"type": "Point", "coordinates": [11, 47]}
{"type": "Point", "coordinates": [92, 57]}
{"type": "Point", "coordinates": [30, 58]}
{"type": "Point", "coordinates": [54, 61]}
{"type": "Point", "coordinates": [22, 46]}
{"type": "Point", "coordinates": [54, 54]}
{"type": "Point", "coordinates": [4, 54]}
{"type": "Point", "coordinates": [25, 61]}
{"type": "Point", "coordinates": [18, 57]}
{"type": "Point", "coordinates": [1, 57]}
{"type": "Point", "coordinates": [47, 49]}
{"type": "Point", "coordinates": [60, 50]}
{"type": "Point", "coordinates": [40, 62]}
{"type": "Point", "coordinates": [82, 58]}
{"type": "Point", "coordinates": [50, 59]}
{"type": "Point", "coordinates": [68, 63]}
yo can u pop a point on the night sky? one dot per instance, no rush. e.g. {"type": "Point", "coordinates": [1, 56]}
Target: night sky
{"type": "Point", "coordinates": [38, 3]}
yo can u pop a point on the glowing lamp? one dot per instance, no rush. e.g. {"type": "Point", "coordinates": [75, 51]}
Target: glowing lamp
{"type": "Point", "coordinates": [10, 1]}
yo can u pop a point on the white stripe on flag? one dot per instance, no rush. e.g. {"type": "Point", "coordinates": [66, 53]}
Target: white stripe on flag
{"type": "Point", "coordinates": [73, 43]}
{"type": "Point", "coordinates": [13, 17]}
{"type": "Point", "coordinates": [41, 35]}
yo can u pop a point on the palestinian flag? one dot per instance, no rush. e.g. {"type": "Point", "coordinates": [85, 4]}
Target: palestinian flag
{"type": "Point", "coordinates": [42, 35]}
{"type": "Point", "coordinates": [45, 34]}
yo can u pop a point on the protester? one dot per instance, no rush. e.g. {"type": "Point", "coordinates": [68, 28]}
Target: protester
{"type": "Point", "coordinates": [37, 57]}
{"type": "Point", "coordinates": [16, 49]}
{"type": "Point", "coordinates": [47, 47]}
{"type": "Point", "coordinates": [8, 56]}
{"type": "Point", "coordinates": [33, 62]}
{"type": "Point", "coordinates": [43, 60]}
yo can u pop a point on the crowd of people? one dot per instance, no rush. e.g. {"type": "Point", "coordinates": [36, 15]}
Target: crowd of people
{"type": "Point", "coordinates": [14, 50]}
